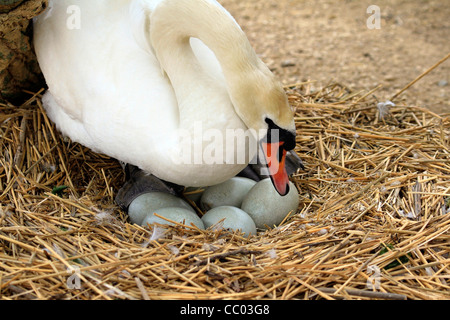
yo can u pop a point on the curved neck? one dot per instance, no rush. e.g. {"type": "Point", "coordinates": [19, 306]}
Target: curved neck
{"type": "Point", "coordinates": [174, 22]}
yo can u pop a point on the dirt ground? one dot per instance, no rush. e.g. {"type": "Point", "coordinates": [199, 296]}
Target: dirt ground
{"type": "Point", "coordinates": [328, 40]}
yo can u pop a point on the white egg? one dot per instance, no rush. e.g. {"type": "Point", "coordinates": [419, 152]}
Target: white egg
{"type": "Point", "coordinates": [235, 219]}
{"type": "Point", "coordinates": [228, 193]}
{"type": "Point", "coordinates": [177, 214]}
{"type": "Point", "coordinates": [149, 202]}
{"type": "Point", "coordinates": [266, 206]}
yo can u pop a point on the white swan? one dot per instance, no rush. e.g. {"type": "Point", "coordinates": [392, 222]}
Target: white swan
{"type": "Point", "coordinates": [141, 80]}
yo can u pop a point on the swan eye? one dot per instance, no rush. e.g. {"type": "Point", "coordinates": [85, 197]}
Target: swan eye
{"type": "Point", "coordinates": [277, 134]}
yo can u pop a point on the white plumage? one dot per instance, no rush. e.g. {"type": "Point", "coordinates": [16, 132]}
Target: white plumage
{"type": "Point", "coordinates": [134, 74]}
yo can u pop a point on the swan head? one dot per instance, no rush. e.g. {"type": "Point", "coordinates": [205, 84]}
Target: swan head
{"type": "Point", "coordinates": [258, 98]}
{"type": "Point", "coordinates": [261, 102]}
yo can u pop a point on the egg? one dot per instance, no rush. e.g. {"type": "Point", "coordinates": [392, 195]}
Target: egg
{"type": "Point", "coordinates": [177, 214]}
{"type": "Point", "coordinates": [266, 206]}
{"type": "Point", "coordinates": [149, 202]}
{"type": "Point", "coordinates": [235, 219]}
{"type": "Point", "coordinates": [228, 193]}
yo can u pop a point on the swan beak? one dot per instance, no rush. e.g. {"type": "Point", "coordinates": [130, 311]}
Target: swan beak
{"type": "Point", "coordinates": [275, 158]}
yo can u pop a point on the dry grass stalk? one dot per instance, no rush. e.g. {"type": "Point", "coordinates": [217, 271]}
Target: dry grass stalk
{"type": "Point", "coordinates": [372, 184]}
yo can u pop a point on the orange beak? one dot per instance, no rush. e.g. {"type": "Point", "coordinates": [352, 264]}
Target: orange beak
{"type": "Point", "coordinates": [275, 163]}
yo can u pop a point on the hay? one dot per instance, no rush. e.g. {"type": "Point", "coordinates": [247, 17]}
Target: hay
{"type": "Point", "coordinates": [373, 220]}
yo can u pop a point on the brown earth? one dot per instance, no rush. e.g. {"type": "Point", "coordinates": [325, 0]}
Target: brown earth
{"type": "Point", "coordinates": [329, 41]}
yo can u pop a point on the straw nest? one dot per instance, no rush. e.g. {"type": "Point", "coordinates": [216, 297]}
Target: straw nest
{"type": "Point", "coordinates": [373, 220]}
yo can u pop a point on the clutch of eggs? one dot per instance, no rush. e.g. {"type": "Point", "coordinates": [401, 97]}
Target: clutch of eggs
{"type": "Point", "coordinates": [237, 204]}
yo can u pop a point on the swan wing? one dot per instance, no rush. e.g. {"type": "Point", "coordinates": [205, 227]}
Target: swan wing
{"type": "Point", "coordinates": [102, 76]}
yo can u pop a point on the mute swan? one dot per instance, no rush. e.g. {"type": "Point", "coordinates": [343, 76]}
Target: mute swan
{"type": "Point", "coordinates": [159, 84]}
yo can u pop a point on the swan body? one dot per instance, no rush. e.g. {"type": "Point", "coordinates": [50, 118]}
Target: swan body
{"type": "Point", "coordinates": [158, 84]}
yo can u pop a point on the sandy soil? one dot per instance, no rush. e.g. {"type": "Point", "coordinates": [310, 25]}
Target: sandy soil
{"type": "Point", "coordinates": [328, 40]}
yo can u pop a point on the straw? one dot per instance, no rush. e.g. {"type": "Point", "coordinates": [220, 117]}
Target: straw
{"type": "Point", "coordinates": [373, 220]}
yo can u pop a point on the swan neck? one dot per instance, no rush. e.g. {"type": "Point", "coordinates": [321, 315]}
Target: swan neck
{"type": "Point", "coordinates": [174, 22]}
